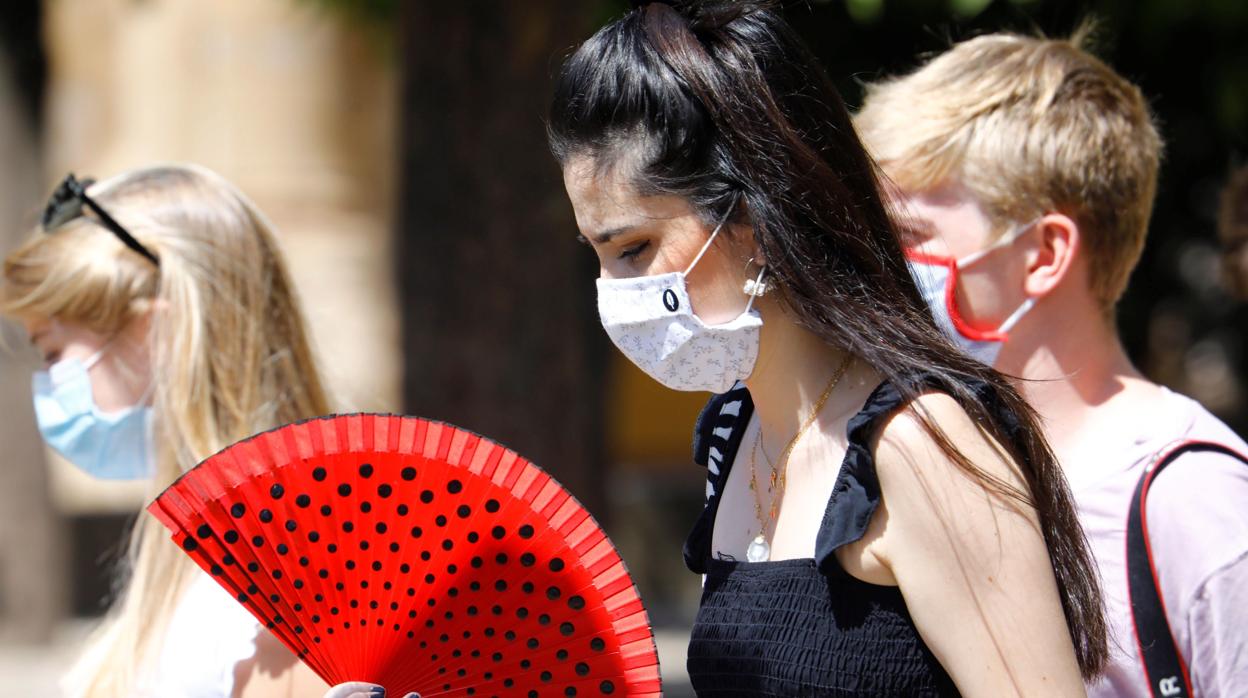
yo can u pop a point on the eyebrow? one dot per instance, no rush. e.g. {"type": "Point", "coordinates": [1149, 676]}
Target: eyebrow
{"type": "Point", "coordinates": [606, 236]}
{"type": "Point", "coordinates": [914, 225]}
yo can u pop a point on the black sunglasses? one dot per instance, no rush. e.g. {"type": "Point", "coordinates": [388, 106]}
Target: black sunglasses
{"type": "Point", "coordinates": [67, 204]}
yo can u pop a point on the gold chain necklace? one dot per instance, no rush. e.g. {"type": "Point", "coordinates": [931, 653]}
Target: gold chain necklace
{"type": "Point", "coordinates": [759, 550]}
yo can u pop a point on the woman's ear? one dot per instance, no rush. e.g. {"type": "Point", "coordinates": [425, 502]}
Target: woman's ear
{"type": "Point", "coordinates": [1056, 243]}
{"type": "Point", "coordinates": [143, 315]}
{"type": "Point", "coordinates": [149, 306]}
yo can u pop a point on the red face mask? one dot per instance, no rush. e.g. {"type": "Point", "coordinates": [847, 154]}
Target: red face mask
{"type": "Point", "coordinates": [937, 279]}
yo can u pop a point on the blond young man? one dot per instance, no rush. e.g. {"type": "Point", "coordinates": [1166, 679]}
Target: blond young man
{"type": "Point", "coordinates": [1027, 168]}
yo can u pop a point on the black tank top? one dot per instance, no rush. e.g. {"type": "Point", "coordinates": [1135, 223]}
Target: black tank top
{"type": "Point", "coordinates": [802, 627]}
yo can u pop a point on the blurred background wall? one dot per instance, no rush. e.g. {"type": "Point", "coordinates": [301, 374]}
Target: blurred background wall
{"type": "Point", "coordinates": [33, 589]}
{"type": "Point", "coordinates": [399, 147]}
{"type": "Point", "coordinates": [290, 102]}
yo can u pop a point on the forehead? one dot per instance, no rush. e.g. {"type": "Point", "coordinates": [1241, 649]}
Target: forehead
{"type": "Point", "coordinates": [603, 198]}
{"type": "Point", "coordinates": [596, 193]}
{"type": "Point", "coordinates": [948, 210]}
{"type": "Point", "coordinates": [949, 198]}
{"type": "Point", "coordinates": [57, 331]}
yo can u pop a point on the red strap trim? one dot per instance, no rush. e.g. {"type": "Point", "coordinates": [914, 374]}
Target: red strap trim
{"type": "Point", "coordinates": [1154, 468]}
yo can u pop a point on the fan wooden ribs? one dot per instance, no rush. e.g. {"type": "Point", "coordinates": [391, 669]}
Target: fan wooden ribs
{"type": "Point", "coordinates": [419, 556]}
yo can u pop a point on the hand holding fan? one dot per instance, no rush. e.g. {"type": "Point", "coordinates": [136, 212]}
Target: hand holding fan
{"type": "Point", "coordinates": [418, 556]}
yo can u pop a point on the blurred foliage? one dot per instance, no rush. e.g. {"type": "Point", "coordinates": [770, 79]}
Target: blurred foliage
{"type": "Point", "coordinates": [371, 12]}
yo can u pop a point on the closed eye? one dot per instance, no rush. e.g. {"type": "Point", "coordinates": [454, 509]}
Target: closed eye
{"type": "Point", "coordinates": [631, 252]}
{"type": "Point", "coordinates": [914, 231]}
{"type": "Point", "coordinates": [50, 354]}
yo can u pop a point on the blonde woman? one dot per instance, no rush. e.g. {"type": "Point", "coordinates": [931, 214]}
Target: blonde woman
{"type": "Point", "coordinates": [169, 329]}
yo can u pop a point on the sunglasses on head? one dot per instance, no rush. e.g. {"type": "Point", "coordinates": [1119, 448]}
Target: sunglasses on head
{"type": "Point", "coordinates": [67, 204]}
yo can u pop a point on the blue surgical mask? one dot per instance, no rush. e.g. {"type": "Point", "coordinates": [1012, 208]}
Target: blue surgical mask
{"type": "Point", "coordinates": [106, 445]}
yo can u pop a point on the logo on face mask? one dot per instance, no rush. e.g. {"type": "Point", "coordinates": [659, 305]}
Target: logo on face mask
{"type": "Point", "coordinates": [109, 446]}
{"type": "Point", "coordinates": [937, 279]}
{"type": "Point", "coordinates": [670, 301]}
{"type": "Point", "coordinates": [650, 320]}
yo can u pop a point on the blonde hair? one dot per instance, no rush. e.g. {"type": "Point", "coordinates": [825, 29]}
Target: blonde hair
{"type": "Point", "coordinates": [1028, 125]}
{"type": "Point", "coordinates": [230, 357]}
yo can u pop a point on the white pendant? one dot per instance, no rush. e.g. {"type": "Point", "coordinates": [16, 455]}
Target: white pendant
{"type": "Point", "coordinates": [758, 550]}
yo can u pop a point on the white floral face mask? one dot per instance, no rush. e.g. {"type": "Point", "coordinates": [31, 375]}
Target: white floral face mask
{"type": "Point", "coordinates": [651, 320]}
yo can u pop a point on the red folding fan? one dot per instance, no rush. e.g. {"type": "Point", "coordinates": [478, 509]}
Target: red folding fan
{"type": "Point", "coordinates": [418, 556]}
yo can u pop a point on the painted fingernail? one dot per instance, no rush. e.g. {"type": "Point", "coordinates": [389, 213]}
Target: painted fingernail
{"type": "Point", "coordinates": [377, 691]}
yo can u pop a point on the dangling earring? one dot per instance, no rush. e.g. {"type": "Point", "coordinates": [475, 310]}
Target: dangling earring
{"type": "Point", "coordinates": [756, 287]}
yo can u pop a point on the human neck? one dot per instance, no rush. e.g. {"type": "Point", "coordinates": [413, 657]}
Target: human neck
{"type": "Point", "coordinates": [1071, 364]}
{"type": "Point", "coordinates": [794, 368]}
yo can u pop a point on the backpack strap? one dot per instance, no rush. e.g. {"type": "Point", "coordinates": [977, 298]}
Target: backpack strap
{"type": "Point", "coordinates": [1163, 665]}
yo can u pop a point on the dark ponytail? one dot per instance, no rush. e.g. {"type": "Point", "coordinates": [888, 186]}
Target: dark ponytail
{"type": "Point", "coordinates": [719, 100]}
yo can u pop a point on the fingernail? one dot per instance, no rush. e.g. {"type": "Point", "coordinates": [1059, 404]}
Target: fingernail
{"type": "Point", "coordinates": [377, 691]}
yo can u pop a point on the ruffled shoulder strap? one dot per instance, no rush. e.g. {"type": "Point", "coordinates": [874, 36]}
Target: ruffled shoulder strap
{"type": "Point", "coordinates": [856, 493]}
{"type": "Point", "coordinates": [716, 438]}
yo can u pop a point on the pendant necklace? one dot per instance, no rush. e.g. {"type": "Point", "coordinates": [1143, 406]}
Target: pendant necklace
{"type": "Point", "coordinates": [759, 550]}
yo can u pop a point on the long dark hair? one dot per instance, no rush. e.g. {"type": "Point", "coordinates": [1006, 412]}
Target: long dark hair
{"type": "Point", "coordinates": [719, 102]}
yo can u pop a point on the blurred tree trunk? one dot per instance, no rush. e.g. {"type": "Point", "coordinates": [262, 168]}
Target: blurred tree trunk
{"type": "Point", "coordinates": [33, 590]}
{"type": "Point", "coordinates": [499, 325]}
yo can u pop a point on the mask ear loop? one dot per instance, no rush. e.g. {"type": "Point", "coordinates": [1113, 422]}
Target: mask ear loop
{"type": "Point", "coordinates": [94, 359]}
{"type": "Point", "coordinates": [55, 373]}
{"type": "Point", "coordinates": [1016, 316]}
{"type": "Point", "coordinates": [1007, 239]}
{"type": "Point", "coordinates": [709, 240]}
{"type": "Point", "coordinates": [758, 280]}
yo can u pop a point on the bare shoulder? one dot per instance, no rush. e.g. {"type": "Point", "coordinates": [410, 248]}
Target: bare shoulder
{"type": "Point", "coordinates": [905, 447]}
{"type": "Point", "coordinates": [971, 563]}
{"type": "Point", "coordinates": [939, 407]}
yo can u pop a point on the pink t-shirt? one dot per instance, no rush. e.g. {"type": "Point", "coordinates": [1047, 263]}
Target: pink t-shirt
{"type": "Point", "coordinates": [1198, 531]}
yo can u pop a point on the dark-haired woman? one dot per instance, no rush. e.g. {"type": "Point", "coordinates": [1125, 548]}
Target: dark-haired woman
{"type": "Point", "coordinates": [883, 515]}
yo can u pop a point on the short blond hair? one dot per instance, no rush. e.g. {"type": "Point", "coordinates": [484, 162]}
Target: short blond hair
{"type": "Point", "coordinates": [1028, 125]}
